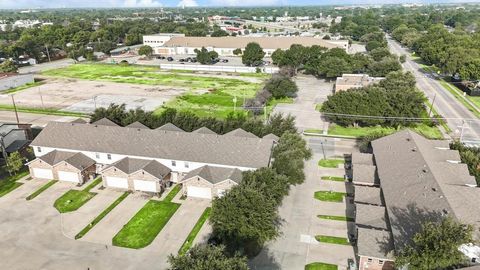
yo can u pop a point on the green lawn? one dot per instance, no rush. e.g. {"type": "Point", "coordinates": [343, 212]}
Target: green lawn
{"type": "Point", "coordinates": [330, 163]}
{"type": "Point", "coordinates": [47, 111]}
{"type": "Point", "coordinates": [317, 131]}
{"type": "Point", "coordinates": [205, 96]}
{"type": "Point", "coordinates": [10, 183]}
{"type": "Point", "coordinates": [332, 239]}
{"type": "Point", "coordinates": [173, 193]}
{"type": "Point", "coordinates": [74, 199]}
{"type": "Point", "coordinates": [142, 229]}
{"type": "Point", "coordinates": [101, 216]}
{"type": "Point", "coordinates": [338, 218]}
{"type": "Point", "coordinates": [321, 266]}
{"type": "Point", "coordinates": [358, 132]}
{"type": "Point", "coordinates": [329, 196]}
{"type": "Point", "coordinates": [41, 189]}
{"type": "Point", "coordinates": [333, 178]}
{"type": "Point", "coordinates": [191, 236]}
{"type": "Point", "coordinates": [23, 87]}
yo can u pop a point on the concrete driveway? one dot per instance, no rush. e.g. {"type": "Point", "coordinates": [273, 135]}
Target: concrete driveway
{"type": "Point", "coordinates": [27, 188]}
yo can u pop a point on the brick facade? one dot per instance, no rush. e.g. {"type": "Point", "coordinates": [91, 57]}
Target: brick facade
{"type": "Point", "coordinates": [197, 181]}
{"type": "Point", "coordinates": [368, 263]}
{"type": "Point", "coordinates": [140, 175]}
{"type": "Point", "coordinates": [84, 175]}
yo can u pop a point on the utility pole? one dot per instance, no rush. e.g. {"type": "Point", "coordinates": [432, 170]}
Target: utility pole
{"type": "Point", "coordinates": [15, 109]}
{"type": "Point", "coordinates": [41, 97]}
{"type": "Point", "coordinates": [48, 53]}
{"type": "Point", "coordinates": [323, 149]}
{"type": "Point", "coordinates": [431, 105]}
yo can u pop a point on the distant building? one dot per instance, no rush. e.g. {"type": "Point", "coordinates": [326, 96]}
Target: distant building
{"type": "Point", "coordinates": [416, 180]}
{"type": "Point", "coordinates": [174, 44]}
{"type": "Point", "coordinates": [14, 137]}
{"type": "Point", "coordinates": [349, 81]}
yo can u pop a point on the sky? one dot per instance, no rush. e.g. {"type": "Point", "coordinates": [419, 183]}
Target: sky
{"type": "Point", "coordinates": [23, 4]}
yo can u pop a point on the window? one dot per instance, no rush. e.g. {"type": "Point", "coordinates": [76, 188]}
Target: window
{"type": "Point", "coordinates": [187, 165]}
{"type": "Point", "coordinates": [97, 155]}
{"type": "Point", "coordinates": [380, 262]}
{"type": "Point", "coordinates": [174, 163]}
{"type": "Point", "coordinates": [39, 149]}
{"type": "Point", "coordinates": [369, 260]}
{"type": "Point", "coordinates": [109, 157]}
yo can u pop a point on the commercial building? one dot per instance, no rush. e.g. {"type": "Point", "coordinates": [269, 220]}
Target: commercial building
{"type": "Point", "coordinates": [350, 81]}
{"type": "Point", "coordinates": [141, 159]}
{"type": "Point", "coordinates": [170, 44]}
{"type": "Point", "coordinates": [419, 180]}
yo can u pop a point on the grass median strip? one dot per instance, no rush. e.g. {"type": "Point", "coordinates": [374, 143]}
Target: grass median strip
{"type": "Point", "coordinates": [191, 236]}
{"type": "Point", "coordinates": [10, 183]}
{"type": "Point", "coordinates": [74, 199]}
{"type": "Point", "coordinates": [321, 266]}
{"type": "Point", "coordinates": [329, 196]}
{"type": "Point", "coordinates": [172, 193]}
{"type": "Point", "coordinates": [337, 218]}
{"type": "Point", "coordinates": [333, 178]}
{"type": "Point", "coordinates": [98, 218]}
{"type": "Point", "coordinates": [330, 163]}
{"type": "Point", "coordinates": [47, 111]}
{"type": "Point", "coordinates": [41, 189]}
{"type": "Point", "coordinates": [332, 239]}
{"type": "Point", "coordinates": [147, 223]}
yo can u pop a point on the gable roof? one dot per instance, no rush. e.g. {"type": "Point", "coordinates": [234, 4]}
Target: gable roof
{"type": "Point", "coordinates": [204, 130]}
{"type": "Point", "coordinates": [170, 127]}
{"type": "Point", "coordinates": [374, 243]}
{"type": "Point", "coordinates": [368, 195]}
{"type": "Point", "coordinates": [105, 122]}
{"type": "Point", "coordinates": [137, 125]}
{"type": "Point", "coordinates": [371, 216]}
{"type": "Point", "coordinates": [79, 121]}
{"type": "Point", "coordinates": [240, 133]}
{"type": "Point", "coordinates": [77, 160]}
{"type": "Point", "coordinates": [131, 165]}
{"type": "Point", "coordinates": [271, 137]}
{"type": "Point", "coordinates": [216, 175]}
{"type": "Point", "coordinates": [146, 143]}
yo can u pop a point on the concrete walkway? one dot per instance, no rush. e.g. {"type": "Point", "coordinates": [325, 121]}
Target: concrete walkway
{"type": "Point", "coordinates": [74, 222]}
{"type": "Point", "coordinates": [111, 224]}
{"type": "Point", "coordinates": [175, 232]}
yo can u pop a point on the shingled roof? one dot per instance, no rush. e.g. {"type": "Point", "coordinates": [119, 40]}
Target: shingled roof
{"type": "Point", "coordinates": [186, 146]}
{"type": "Point", "coordinates": [170, 127]}
{"type": "Point", "coordinates": [216, 175]}
{"type": "Point", "coordinates": [131, 165]}
{"type": "Point", "coordinates": [204, 130]}
{"type": "Point", "coordinates": [137, 125]}
{"type": "Point", "coordinates": [241, 133]}
{"type": "Point", "coordinates": [77, 160]}
{"type": "Point", "coordinates": [272, 137]}
{"type": "Point", "coordinates": [374, 243]}
{"type": "Point", "coordinates": [105, 122]}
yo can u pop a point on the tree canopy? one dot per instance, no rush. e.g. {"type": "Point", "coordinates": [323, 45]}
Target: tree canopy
{"type": "Point", "coordinates": [8, 67]}
{"type": "Point", "coordinates": [145, 50]}
{"type": "Point", "coordinates": [207, 257]}
{"type": "Point", "coordinates": [204, 56]}
{"type": "Point", "coordinates": [281, 86]}
{"type": "Point", "coordinates": [252, 54]}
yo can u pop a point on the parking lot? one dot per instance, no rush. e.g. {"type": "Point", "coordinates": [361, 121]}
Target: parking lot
{"type": "Point", "coordinates": [33, 235]}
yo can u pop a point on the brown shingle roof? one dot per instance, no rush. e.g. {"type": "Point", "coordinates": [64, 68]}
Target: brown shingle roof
{"type": "Point", "coordinates": [368, 195]}
{"type": "Point", "coordinates": [364, 174]}
{"type": "Point", "coordinates": [77, 160]}
{"type": "Point", "coordinates": [105, 122]}
{"type": "Point", "coordinates": [186, 146]}
{"type": "Point", "coordinates": [204, 130]}
{"type": "Point", "coordinates": [131, 165]}
{"type": "Point", "coordinates": [374, 243]}
{"type": "Point", "coordinates": [271, 137]}
{"type": "Point", "coordinates": [137, 125]}
{"type": "Point", "coordinates": [371, 216]}
{"type": "Point", "coordinates": [170, 127]}
{"type": "Point", "coordinates": [216, 175]}
{"type": "Point", "coordinates": [240, 133]}
{"type": "Point", "coordinates": [362, 158]}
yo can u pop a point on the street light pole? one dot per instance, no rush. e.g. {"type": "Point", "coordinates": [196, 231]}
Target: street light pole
{"type": "Point", "coordinates": [431, 105]}
{"type": "Point", "coordinates": [15, 109]}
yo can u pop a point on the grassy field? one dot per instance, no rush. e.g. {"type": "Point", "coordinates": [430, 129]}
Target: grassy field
{"type": "Point", "coordinates": [321, 266]}
{"type": "Point", "coordinates": [41, 189]}
{"type": "Point", "coordinates": [333, 178]}
{"type": "Point", "coordinates": [74, 199]}
{"type": "Point", "coordinates": [101, 216]}
{"type": "Point", "coordinates": [330, 163]}
{"type": "Point", "coordinates": [23, 87]}
{"type": "Point", "coordinates": [337, 218]}
{"type": "Point", "coordinates": [191, 236]}
{"type": "Point", "coordinates": [142, 229]}
{"type": "Point", "coordinates": [332, 239]}
{"type": "Point", "coordinates": [10, 183]}
{"type": "Point", "coordinates": [214, 99]}
{"type": "Point", "coordinates": [172, 193]}
{"type": "Point", "coordinates": [329, 196]}
{"type": "Point", "coordinates": [358, 132]}
{"type": "Point", "coordinates": [40, 111]}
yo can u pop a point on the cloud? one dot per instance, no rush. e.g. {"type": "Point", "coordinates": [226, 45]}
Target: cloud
{"type": "Point", "coordinates": [187, 3]}
{"type": "Point", "coordinates": [142, 3]}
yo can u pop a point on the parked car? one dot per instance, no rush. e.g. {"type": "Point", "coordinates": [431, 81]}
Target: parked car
{"type": "Point", "coordinates": [161, 57]}
{"type": "Point", "coordinates": [181, 60]}
{"type": "Point", "coordinates": [224, 60]}
{"type": "Point", "coordinates": [170, 59]}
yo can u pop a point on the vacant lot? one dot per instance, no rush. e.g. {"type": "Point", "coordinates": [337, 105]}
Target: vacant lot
{"type": "Point", "coordinates": [204, 94]}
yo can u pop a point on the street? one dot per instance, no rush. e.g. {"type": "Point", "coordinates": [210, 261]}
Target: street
{"type": "Point", "coordinates": [457, 116]}
{"type": "Point", "coordinates": [34, 119]}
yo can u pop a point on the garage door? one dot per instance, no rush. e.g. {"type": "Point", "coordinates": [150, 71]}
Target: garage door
{"type": "Point", "coordinates": [43, 173]}
{"type": "Point", "coordinates": [142, 185]}
{"type": "Point", "coordinates": [68, 176]}
{"type": "Point", "coordinates": [117, 182]}
{"type": "Point", "coordinates": [199, 192]}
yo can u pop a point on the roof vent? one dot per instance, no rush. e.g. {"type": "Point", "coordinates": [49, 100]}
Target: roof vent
{"type": "Point", "coordinates": [454, 161]}
{"type": "Point", "coordinates": [414, 149]}
{"type": "Point", "coordinates": [434, 189]}
{"type": "Point", "coordinates": [424, 170]}
{"type": "Point", "coordinates": [445, 211]}
{"type": "Point", "coordinates": [408, 139]}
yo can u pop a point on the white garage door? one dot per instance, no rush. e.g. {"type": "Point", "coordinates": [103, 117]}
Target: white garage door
{"type": "Point", "coordinates": [43, 173]}
{"type": "Point", "coordinates": [142, 185]}
{"type": "Point", "coordinates": [199, 192]}
{"type": "Point", "coordinates": [68, 176]}
{"type": "Point", "coordinates": [117, 182]}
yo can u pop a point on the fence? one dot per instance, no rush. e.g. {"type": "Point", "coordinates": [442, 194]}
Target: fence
{"type": "Point", "coordinates": [216, 68]}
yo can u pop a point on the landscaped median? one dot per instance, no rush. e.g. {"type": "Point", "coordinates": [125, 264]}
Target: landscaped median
{"type": "Point", "coordinates": [337, 218]}
{"type": "Point", "coordinates": [98, 218]}
{"type": "Point", "coordinates": [332, 239]}
{"type": "Point", "coordinates": [10, 183]}
{"type": "Point", "coordinates": [41, 189]}
{"type": "Point", "coordinates": [172, 193]}
{"type": "Point", "coordinates": [191, 236]}
{"type": "Point", "coordinates": [74, 199]}
{"type": "Point", "coordinates": [329, 196]}
{"type": "Point", "coordinates": [320, 266]}
{"type": "Point", "coordinates": [334, 178]}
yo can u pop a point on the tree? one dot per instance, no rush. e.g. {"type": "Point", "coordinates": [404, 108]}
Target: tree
{"type": "Point", "coordinates": [145, 50]}
{"type": "Point", "coordinates": [436, 246]}
{"type": "Point", "coordinates": [379, 53]}
{"type": "Point", "coordinates": [204, 56]}
{"type": "Point", "coordinates": [281, 86]}
{"type": "Point", "coordinates": [289, 156]}
{"type": "Point", "coordinates": [234, 224]}
{"type": "Point", "coordinates": [237, 51]}
{"type": "Point", "coordinates": [219, 33]}
{"type": "Point", "coordinates": [384, 66]}
{"type": "Point", "coordinates": [8, 67]}
{"type": "Point", "coordinates": [14, 162]}
{"type": "Point", "coordinates": [253, 54]}
{"type": "Point", "coordinates": [267, 181]}
{"type": "Point", "coordinates": [207, 257]}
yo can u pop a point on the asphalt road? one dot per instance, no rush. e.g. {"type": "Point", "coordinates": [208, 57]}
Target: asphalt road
{"type": "Point", "coordinates": [446, 104]}
{"type": "Point", "coordinates": [39, 120]}
{"type": "Point", "coordinates": [45, 66]}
